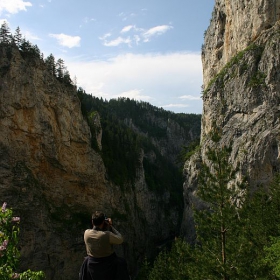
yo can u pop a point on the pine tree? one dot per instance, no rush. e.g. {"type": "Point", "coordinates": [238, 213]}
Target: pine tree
{"type": "Point", "coordinates": [218, 225]}
{"type": "Point", "coordinates": [51, 65]}
{"type": "Point", "coordinates": [60, 69]}
{"type": "Point", "coordinates": [25, 45]}
{"type": "Point", "coordinates": [66, 77]}
{"type": "Point", "coordinates": [5, 35]}
{"type": "Point", "coordinates": [36, 51]}
{"type": "Point", "coordinates": [261, 231]}
{"type": "Point", "coordinates": [176, 264]}
{"type": "Point", "coordinates": [18, 37]}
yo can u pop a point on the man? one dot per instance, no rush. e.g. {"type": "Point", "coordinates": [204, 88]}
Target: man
{"type": "Point", "coordinates": [102, 262]}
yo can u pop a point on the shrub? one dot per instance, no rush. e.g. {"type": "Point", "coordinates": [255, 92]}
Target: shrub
{"type": "Point", "coordinates": [9, 254]}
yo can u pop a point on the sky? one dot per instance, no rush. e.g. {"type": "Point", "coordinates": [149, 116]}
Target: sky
{"type": "Point", "coordinates": [148, 50]}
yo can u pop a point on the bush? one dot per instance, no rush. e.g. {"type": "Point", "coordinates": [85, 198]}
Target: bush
{"type": "Point", "coordinates": [9, 254]}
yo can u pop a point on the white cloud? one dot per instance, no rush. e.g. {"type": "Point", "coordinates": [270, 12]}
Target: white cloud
{"type": "Point", "coordinates": [160, 79]}
{"type": "Point", "coordinates": [125, 16]}
{"type": "Point", "coordinates": [4, 20]}
{"type": "Point", "coordinates": [87, 20]}
{"type": "Point", "coordinates": [105, 36]}
{"type": "Point", "coordinates": [66, 40]}
{"type": "Point", "coordinates": [138, 35]}
{"type": "Point", "coordinates": [127, 28]}
{"type": "Point", "coordinates": [157, 30]}
{"type": "Point", "coordinates": [175, 106]}
{"type": "Point", "coordinates": [190, 97]}
{"type": "Point", "coordinates": [134, 94]}
{"type": "Point", "coordinates": [30, 36]}
{"type": "Point", "coordinates": [13, 6]}
{"type": "Point", "coordinates": [117, 42]}
{"type": "Point", "coordinates": [137, 39]}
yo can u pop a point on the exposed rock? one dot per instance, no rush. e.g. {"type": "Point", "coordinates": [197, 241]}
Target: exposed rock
{"type": "Point", "coordinates": [234, 26]}
{"type": "Point", "coordinates": [54, 180]}
{"type": "Point", "coordinates": [94, 119]}
{"type": "Point", "coordinates": [243, 96]}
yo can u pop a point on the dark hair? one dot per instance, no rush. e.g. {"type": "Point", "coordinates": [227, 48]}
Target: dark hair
{"type": "Point", "coordinates": [97, 218]}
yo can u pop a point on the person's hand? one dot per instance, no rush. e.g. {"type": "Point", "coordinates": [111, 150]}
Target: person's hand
{"type": "Point", "coordinates": [109, 221]}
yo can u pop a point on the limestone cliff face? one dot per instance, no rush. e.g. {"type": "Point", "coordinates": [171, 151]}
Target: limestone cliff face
{"type": "Point", "coordinates": [54, 180]}
{"type": "Point", "coordinates": [234, 25]}
{"type": "Point", "coordinates": [242, 93]}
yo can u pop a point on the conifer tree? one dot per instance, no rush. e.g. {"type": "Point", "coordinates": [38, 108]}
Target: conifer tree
{"type": "Point", "coordinates": [175, 264]}
{"type": "Point", "coordinates": [51, 65]}
{"type": "Point", "coordinates": [25, 45]}
{"type": "Point", "coordinates": [18, 37]}
{"type": "Point", "coordinates": [218, 225]}
{"type": "Point", "coordinates": [5, 34]}
{"type": "Point", "coordinates": [66, 77]}
{"type": "Point", "coordinates": [262, 231]}
{"type": "Point", "coordinates": [60, 68]}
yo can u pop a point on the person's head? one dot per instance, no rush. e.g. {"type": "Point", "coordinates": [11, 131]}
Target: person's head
{"type": "Point", "coordinates": [98, 218]}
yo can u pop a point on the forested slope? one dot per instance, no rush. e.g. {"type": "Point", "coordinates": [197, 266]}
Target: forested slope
{"type": "Point", "coordinates": [65, 154]}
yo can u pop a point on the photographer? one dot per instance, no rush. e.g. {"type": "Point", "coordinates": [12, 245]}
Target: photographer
{"type": "Point", "coordinates": [102, 263]}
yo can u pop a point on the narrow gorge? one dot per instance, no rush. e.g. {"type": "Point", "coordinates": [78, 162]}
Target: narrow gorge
{"type": "Point", "coordinates": [64, 154]}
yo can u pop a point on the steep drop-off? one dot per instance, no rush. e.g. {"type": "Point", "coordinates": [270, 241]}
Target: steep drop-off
{"type": "Point", "coordinates": [241, 63]}
{"type": "Point", "coordinates": [54, 179]}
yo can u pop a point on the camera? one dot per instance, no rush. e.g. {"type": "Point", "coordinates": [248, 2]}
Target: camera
{"type": "Point", "coordinates": [107, 226]}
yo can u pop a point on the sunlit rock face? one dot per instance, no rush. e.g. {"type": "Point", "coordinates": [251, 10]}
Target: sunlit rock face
{"type": "Point", "coordinates": [241, 64]}
{"type": "Point", "coordinates": [235, 25]}
{"type": "Point", "coordinates": [48, 172]}
{"type": "Point", "coordinates": [54, 180]}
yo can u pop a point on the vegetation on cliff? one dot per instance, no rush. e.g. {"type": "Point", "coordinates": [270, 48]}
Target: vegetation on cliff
{"type": "Point", "coordinates": [238, 59]}
{"type": "Point", "coordinates": [140, 143]}
{"type": "Point", "coordinates": [252, 246]}
{"type": "Point", "coordinates": [122, 144]}
{"type": "Point", "coordinates": [131, 127]}
{"type": "Point", "coordinates": [30, 52]}
{"type": "Point", "coordinates": [9, 253]}
{"type": "Point", "coordinates": [237, 230]}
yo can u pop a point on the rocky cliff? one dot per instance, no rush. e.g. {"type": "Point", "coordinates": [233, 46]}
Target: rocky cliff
{"type": "Point", "coordinates": [53, 179]}
{"type": "Point", "coordinates": [241, 64]}
{"type": "Point", "coordinates": [234, 25]}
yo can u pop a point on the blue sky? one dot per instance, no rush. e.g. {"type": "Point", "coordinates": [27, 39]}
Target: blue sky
{"type": "Point", "coordinates": [144, 50]}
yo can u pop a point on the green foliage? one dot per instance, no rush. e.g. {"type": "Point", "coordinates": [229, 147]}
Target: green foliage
{"type": "Point", "coordinates": [176, 264]}
{"type": "Point", "coordinates": [261, 214]}
{"type": "Point", "coordinates": [237, 229]}
{"type": "Point", "coordinates": [9, 254]}
{"type": "Point", "coordinates": [257, 51]}
{"type": "Point", "coordinates": [188, 151]}
{"type": "Point", "coordinates": [122, 144]}
{"type": "Point", "coordinates": [18, 37]}
{"type": "Point", "coordinates": [257, 79]}
{"type": "Point", "coordinates": [217, 225]}
{"type": "Point", "coordinates": [144, 270]}
{"type": "Point", "coordinates": [5, 34]}
{"type": "Point", "coordinates": [272, 257]}
{"type": "Point", "coordinates": [31, 275]}
{"type": "Point", "coordinates": [31, 53]}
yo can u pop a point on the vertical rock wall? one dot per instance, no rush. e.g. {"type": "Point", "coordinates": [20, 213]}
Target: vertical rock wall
{"type": "Point", "coordinates": [235, 25]}
{"type": "Point", "coordinates": [241, 63]}
{"type": "Point", "coordinates": [54, 180]}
